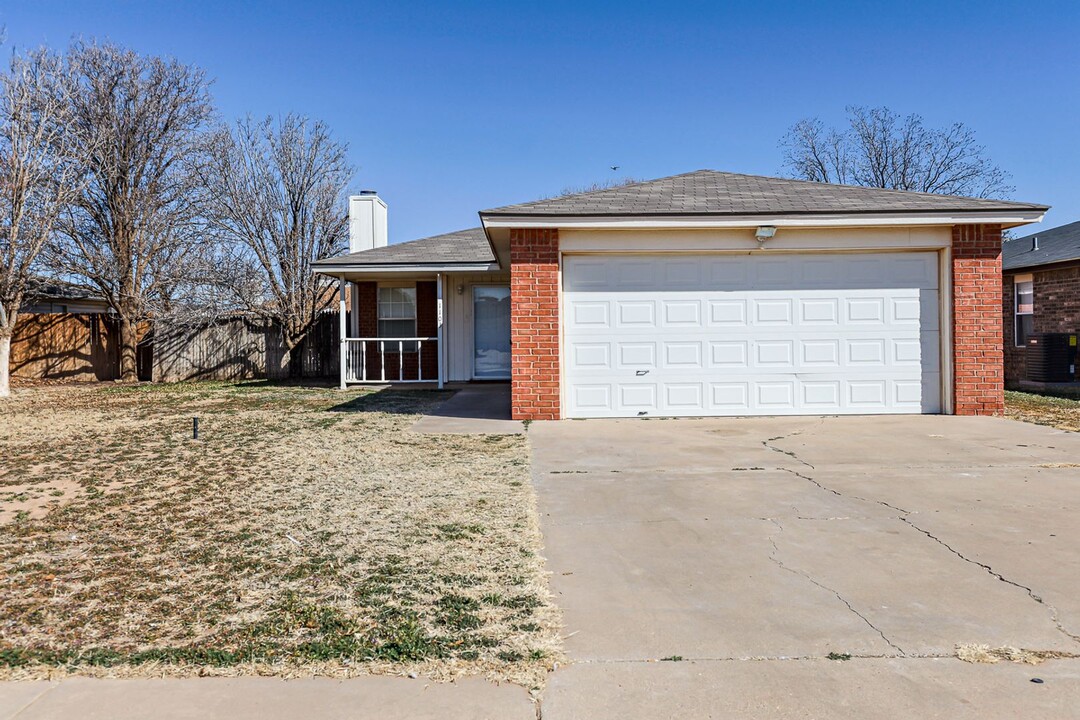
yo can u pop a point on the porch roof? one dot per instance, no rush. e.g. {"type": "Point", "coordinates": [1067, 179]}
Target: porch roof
{"type": "Point", "coordinates": [462, 250]}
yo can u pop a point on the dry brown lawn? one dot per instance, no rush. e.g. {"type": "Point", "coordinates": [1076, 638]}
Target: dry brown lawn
{"type": "Point", "coordinates": [1059, 412]}
{"type": "Point", "coordinates": [306, 532]}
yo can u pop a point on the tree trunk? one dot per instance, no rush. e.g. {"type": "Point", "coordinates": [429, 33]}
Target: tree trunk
{"type": "Point", "coordinates": [5, 368]}
{"type": "Point", "coordinates": [292, 360]}
{"type": "Point", "coordinates": [129, 343]}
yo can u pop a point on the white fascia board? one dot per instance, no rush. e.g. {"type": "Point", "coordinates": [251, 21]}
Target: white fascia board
{"type": "Point", "coordinates": [418, 269]}
{"type": "Point", "coordinates": [1009, 219]}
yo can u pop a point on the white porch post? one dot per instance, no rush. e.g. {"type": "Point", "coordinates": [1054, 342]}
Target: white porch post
{"type": "Point", "coordinates": [439, 326]}
{"type": "Point", "coordinates": [343, 351]}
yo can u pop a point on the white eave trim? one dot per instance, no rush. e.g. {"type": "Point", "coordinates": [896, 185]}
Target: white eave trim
{"type": "Point", "coordinates": [452, 268]}
{"type": "Point", "coordinates": [1007, 219]}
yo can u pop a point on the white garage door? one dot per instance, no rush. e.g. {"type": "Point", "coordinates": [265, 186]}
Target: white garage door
{"type": "Point", "coordinates": [785, 334]}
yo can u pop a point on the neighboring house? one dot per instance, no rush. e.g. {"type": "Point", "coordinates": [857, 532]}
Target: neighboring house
{"type": "Point", "coordinates": [64, 332]}
{"type": "Point", "coordinates": [707, 293]}
{"type": "Point", "coordinates": [1040, 290]}
{"type": "Point", "coordinates": [55, 296]}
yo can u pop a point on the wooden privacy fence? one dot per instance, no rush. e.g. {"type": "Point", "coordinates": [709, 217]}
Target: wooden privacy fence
{"type": "Point", "coordinates": [240, 348]}
{"type": "Point", "coordinates": [64, 346]}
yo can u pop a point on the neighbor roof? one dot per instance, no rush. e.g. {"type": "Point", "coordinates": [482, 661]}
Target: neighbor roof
{"type": "Point", "coordinates": [1056, 245]}
{"type": "Point", "coordinates": [462, 247]}
{"type": "Point", "coordinates": [42, 288]}
{"type": "Point", "coordinates": [708, 192]}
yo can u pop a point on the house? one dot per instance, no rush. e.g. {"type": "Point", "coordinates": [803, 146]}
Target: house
{"type": "Point", "coordinates": [1040, 290]}
{"type": "Point", "coordinates": [45, 296]}
{"type": "Point", "coordinates": [708, 293]}
{"type": "Point", "coordinates": [64, 331]}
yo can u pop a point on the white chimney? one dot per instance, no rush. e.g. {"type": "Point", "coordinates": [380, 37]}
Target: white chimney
{"type": "Point", "coordinates": [367, 221]}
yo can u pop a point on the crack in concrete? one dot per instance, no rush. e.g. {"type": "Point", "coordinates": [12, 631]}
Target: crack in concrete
{"type": "Point", "coordinates": [1054, 617]}
{"type": "Point", "coordinates": [903, 517]}
{"type": "Point", "coordinates": [791, 454]}
{"type": "Point", "coordinates": [773, 557]}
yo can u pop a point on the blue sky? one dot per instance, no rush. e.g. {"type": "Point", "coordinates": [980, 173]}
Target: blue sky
{"type": "Point", "coordinates": [449, 108]}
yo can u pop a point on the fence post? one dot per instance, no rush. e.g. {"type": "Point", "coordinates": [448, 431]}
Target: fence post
{"type": "Point", "coordinates": [343, 348]}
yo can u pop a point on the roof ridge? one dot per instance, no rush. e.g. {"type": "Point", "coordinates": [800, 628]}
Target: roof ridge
{"type": "Point", "coordinates": [708, 191]}
{"type": "Point", "coordinates": [617, 187]}
{"type": "Point", "coordinates": [871, 188]}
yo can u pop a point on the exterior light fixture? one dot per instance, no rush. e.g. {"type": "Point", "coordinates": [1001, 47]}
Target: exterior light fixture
{"type": "Point", "coordinates": [764, 232]}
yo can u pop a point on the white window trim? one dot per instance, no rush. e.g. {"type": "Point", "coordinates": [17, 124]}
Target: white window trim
{"type": "Point", "coordinates": [378, 307]}
{"type": "Point", "coordinates": [1017, 279]}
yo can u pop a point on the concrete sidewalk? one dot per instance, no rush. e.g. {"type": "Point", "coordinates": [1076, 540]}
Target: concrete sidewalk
{"type": "Point", "coordinates": [252, 698]}
{"type": "Point", "coordinates": [478, 409]}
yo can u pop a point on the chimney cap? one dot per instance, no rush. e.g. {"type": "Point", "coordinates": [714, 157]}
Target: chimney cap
{"type": "Point", "coordinates": [369, 192]}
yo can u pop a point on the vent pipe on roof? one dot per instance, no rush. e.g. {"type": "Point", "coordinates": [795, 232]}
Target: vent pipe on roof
{"type": "Point", "coordinates": [1035, 242]}
{"type": "Point", "coordinates": [367, 221]}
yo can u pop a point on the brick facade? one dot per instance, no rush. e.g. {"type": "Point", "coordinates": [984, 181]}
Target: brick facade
{"type": "Point", "coordinates": [978, 382]}
{"type": "Point", "coordinates": [426, 310]}
{"type": "Point", "coordinates": [1057, 309]}
{"type": "Point", "coordinates": [534, 323]}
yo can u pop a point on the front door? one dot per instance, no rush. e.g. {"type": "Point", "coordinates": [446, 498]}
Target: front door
{"type": "Point", "coordinates": [491, 332]}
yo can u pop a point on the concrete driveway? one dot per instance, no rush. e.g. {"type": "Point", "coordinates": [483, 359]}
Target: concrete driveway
{"type": "Point", "coordinates": [747, 550]}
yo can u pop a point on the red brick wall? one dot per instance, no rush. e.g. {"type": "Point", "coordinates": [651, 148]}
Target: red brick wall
{"type": "Point", "coordinates": [368, 297]}
{"type": "Point", "coordinates": [427, 326]}
{"type": "Point", "coordinates": [1057, 309]}
{"type": "Point", "coordinates": [977, 328]}
{"type": "Point", "coordinates": [534, 323]}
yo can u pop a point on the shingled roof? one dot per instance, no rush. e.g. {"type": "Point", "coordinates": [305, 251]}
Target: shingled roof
{"type": "Point", "coordinates": [466, 247]}
{"type": "Point", "coordinates": [1056, 245]}
{"type": "Point", "coordinates": [708, 192]}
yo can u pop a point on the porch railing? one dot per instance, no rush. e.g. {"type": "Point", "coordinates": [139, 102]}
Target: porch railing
{"type": "Point", "coordinates": [366, 360]}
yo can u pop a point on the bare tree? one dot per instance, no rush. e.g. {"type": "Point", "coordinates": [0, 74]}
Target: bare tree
{"type": "Point", "coordinates": [37, 179]}
{"type": "Point", "coordinates": [138, 128]}
{"type": "Point", "coordinates": [276, 194]}
{"type": "Point", "coordinates": [879, 148]}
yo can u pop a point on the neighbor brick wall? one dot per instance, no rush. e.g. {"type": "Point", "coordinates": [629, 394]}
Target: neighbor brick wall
{"type": "Point", "coordinates": [978, 377]}
{"type": "Point", "coordinates": [1057, 309]}
{"type": "Point", "coordinates": [534, 323]}
{"type": "Point", "coordinates": [1014, 356]}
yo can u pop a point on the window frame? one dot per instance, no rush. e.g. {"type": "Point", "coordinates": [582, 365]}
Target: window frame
{"type": "Point", "coordinates": [410, 347]}
{"type": "Point", "coordinates": [1019, 280]}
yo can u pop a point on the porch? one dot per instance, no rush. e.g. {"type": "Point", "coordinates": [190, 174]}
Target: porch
{"type": "Point", "coordinates": [432, 310]}
{"type": "Point", "coordinates": [441, 328]}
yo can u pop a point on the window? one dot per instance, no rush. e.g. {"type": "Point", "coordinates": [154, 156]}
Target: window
{"type": "Point", "coordinates": [397, 315]}
{"type": "Point", "coordinates": [1024, 291]}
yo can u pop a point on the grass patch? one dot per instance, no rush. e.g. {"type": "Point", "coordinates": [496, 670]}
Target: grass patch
{"type": "Point", "coordinates": [1052, 410]}
{"type": "Point", "coordinates": [306, 531]}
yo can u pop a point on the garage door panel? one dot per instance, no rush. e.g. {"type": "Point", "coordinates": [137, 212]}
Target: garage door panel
{"type": "Point", "coordinates": [728, 353]}
{"type": "Point", "coordinates": [819, 312]}
{"type": "Point", "coordinates": [682, 355]}
{"type": "Point", "coordinates": [635, 314]}
{"type": "Point", "coordinates": [727, 313]}
{"type": "Point", "coordinates": [636, 355]}
{"type": "Point", "coordinates": [775, 354]}
{"type": "Point", "coordinates": [590, 314]}
{"type": "Point", "coordinates": [746, 335]}
{"type": "Point", "coordinates": [681, 313]}
{"type": "Point", "coordinates": [638, 398]}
